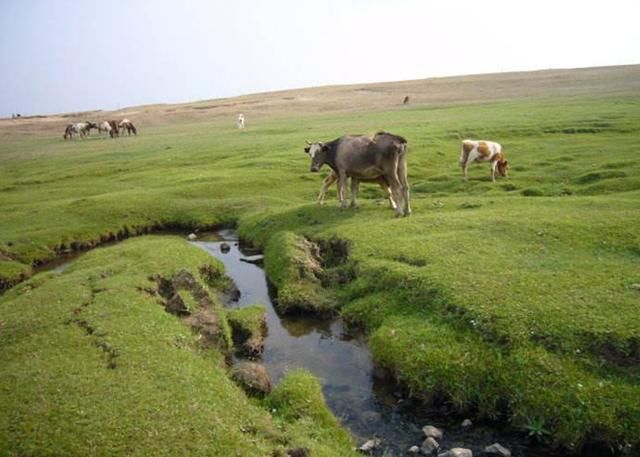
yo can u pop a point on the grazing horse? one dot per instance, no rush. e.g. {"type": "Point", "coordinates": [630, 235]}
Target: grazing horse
{"type": "Point", "coordinates": [68, 132]}
{"type": "Point", "coordinates": [115, 131]}
{"type": "Point", "coordinates": [127, 125]}
{"type": "Point", "coordinates": [81, 129]}
{"type": "Point", "coordinates": [104, 128]}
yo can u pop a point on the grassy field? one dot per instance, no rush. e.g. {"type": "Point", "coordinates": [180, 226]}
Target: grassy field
{"type": "Point", "coordinates": [516, 300]}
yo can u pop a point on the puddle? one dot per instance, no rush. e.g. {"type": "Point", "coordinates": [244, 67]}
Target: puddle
{"type": "Point", "coordinates": [369, 406]}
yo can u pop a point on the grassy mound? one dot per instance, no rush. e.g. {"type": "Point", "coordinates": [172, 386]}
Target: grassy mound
{"type": "Point", "coordinates": [299, 403]}
{"type": "Point", "coordinates": [249, 328]}
{"type": "Point", "coordinates": [92, 364]}
{"type": "Point", "coordinates": [293, 264]}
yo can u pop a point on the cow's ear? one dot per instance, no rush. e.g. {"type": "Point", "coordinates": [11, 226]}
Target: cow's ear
{"type": "Point", "coordinates": [307, 149]}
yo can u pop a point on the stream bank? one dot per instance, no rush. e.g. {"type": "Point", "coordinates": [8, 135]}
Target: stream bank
{"type": "Point", "coordinates": [365, 399]}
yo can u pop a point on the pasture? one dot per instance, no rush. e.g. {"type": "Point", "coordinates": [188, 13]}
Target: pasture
{"type": "Point", "coordinates": [517, 300]}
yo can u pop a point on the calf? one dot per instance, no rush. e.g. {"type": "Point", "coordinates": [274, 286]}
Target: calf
{"type": "Point", "coordinates": [478, 151]}
{"type": "Point", "coordinates": [333, 177]}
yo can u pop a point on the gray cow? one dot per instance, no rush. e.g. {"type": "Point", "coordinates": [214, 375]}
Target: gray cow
{"type": "Point", "coordinates": [366, 158]}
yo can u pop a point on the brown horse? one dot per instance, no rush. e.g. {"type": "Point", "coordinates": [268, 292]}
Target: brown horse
{"type": "Point", "coordinates": [127, 125]}
{"type": "Point", "coordinates": [114, 128]}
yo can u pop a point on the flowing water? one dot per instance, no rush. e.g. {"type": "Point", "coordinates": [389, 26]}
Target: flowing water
{"type": "Point", "coordinates": [367, 404]}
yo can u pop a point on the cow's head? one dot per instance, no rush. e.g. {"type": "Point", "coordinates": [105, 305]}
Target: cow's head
{"type": "Point", "coordinates": [318, 153]}
{"type": "Point", "coordinates": [503, 167]}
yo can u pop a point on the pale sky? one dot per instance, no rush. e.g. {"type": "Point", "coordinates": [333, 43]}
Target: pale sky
{"type": "Point", "coordinates": [61, 56]}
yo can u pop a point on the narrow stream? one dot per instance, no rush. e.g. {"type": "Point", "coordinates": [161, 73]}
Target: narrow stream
{"type": "Point", "coordinates": [367, 405]}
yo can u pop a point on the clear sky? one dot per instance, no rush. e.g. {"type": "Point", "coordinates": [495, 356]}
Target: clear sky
{"type": "Point", "coordinates": [61, 56]}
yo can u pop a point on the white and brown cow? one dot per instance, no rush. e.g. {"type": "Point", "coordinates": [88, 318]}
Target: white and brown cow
{"type": "Point", "coordinates": [478, 151]}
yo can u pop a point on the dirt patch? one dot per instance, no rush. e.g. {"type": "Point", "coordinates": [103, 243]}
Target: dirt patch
{"type": "Point", "coordinates": [625, 357]}
{"type": "Point", "coordinates": [252, 377]}
{"type": "Point", "coordinates": [183, 296]}
{"type": "Point", "coordinates": [208, 325]}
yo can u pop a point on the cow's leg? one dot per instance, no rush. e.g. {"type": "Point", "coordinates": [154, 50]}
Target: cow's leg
{"type": "Point", "coordinates": [387, 192]}
{"type": "Point", "coordinates": [342, 188]}
{"type": "Point", "coordinates": [355, 183]}
{"type": "Point", "coordinates": [494, 164]}
{"type": "Point", "coordinates": [326, 183]}
{"type": "Point", "coordinates": [404, 182]}
{"type": "Point", "coordinates": [471, 158]}
{"type": "Point", "coordinates": [464, 160]}
{"type": "Point", "coordinates": [396, 188]}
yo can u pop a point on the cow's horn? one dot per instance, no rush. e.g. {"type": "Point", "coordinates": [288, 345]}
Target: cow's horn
{"type": "Point", "coordinates": [308, 142]}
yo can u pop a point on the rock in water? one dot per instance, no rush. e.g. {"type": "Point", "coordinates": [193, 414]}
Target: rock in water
{"type": "Point", "coordinates": [497, 449]}
{"type": "Point", "coordinates": [429, 447]}
{"type": "Point", "coordinates": [413, 450]}
{"type": "Point", "coordinates": [370, 446]}
{"type": "Point", "coordinates": [192, 237]}
{"type": "Point", "coordinates": [467, 423]}
{"type": "Point", "coordinates": [224, 248]}
{"type": "Point", "coordinates": [432, 432]}
{"type": "Point", "coordinates": [457, 452]}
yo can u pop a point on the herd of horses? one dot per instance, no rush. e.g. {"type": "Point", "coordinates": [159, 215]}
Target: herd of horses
{"type": "Point", "coordinates": [104, 128]}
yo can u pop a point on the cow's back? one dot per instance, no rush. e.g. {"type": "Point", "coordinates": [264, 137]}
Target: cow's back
{"type": "Point", "coordinates": [357, 155]}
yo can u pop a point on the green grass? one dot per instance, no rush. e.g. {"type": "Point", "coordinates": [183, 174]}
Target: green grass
{"type": "Point", "coordinates": [93, 365]}
{"type": "Point", "coordinates": [249, 327]}
{"type": "Point", "coordinates": [511, 300]}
